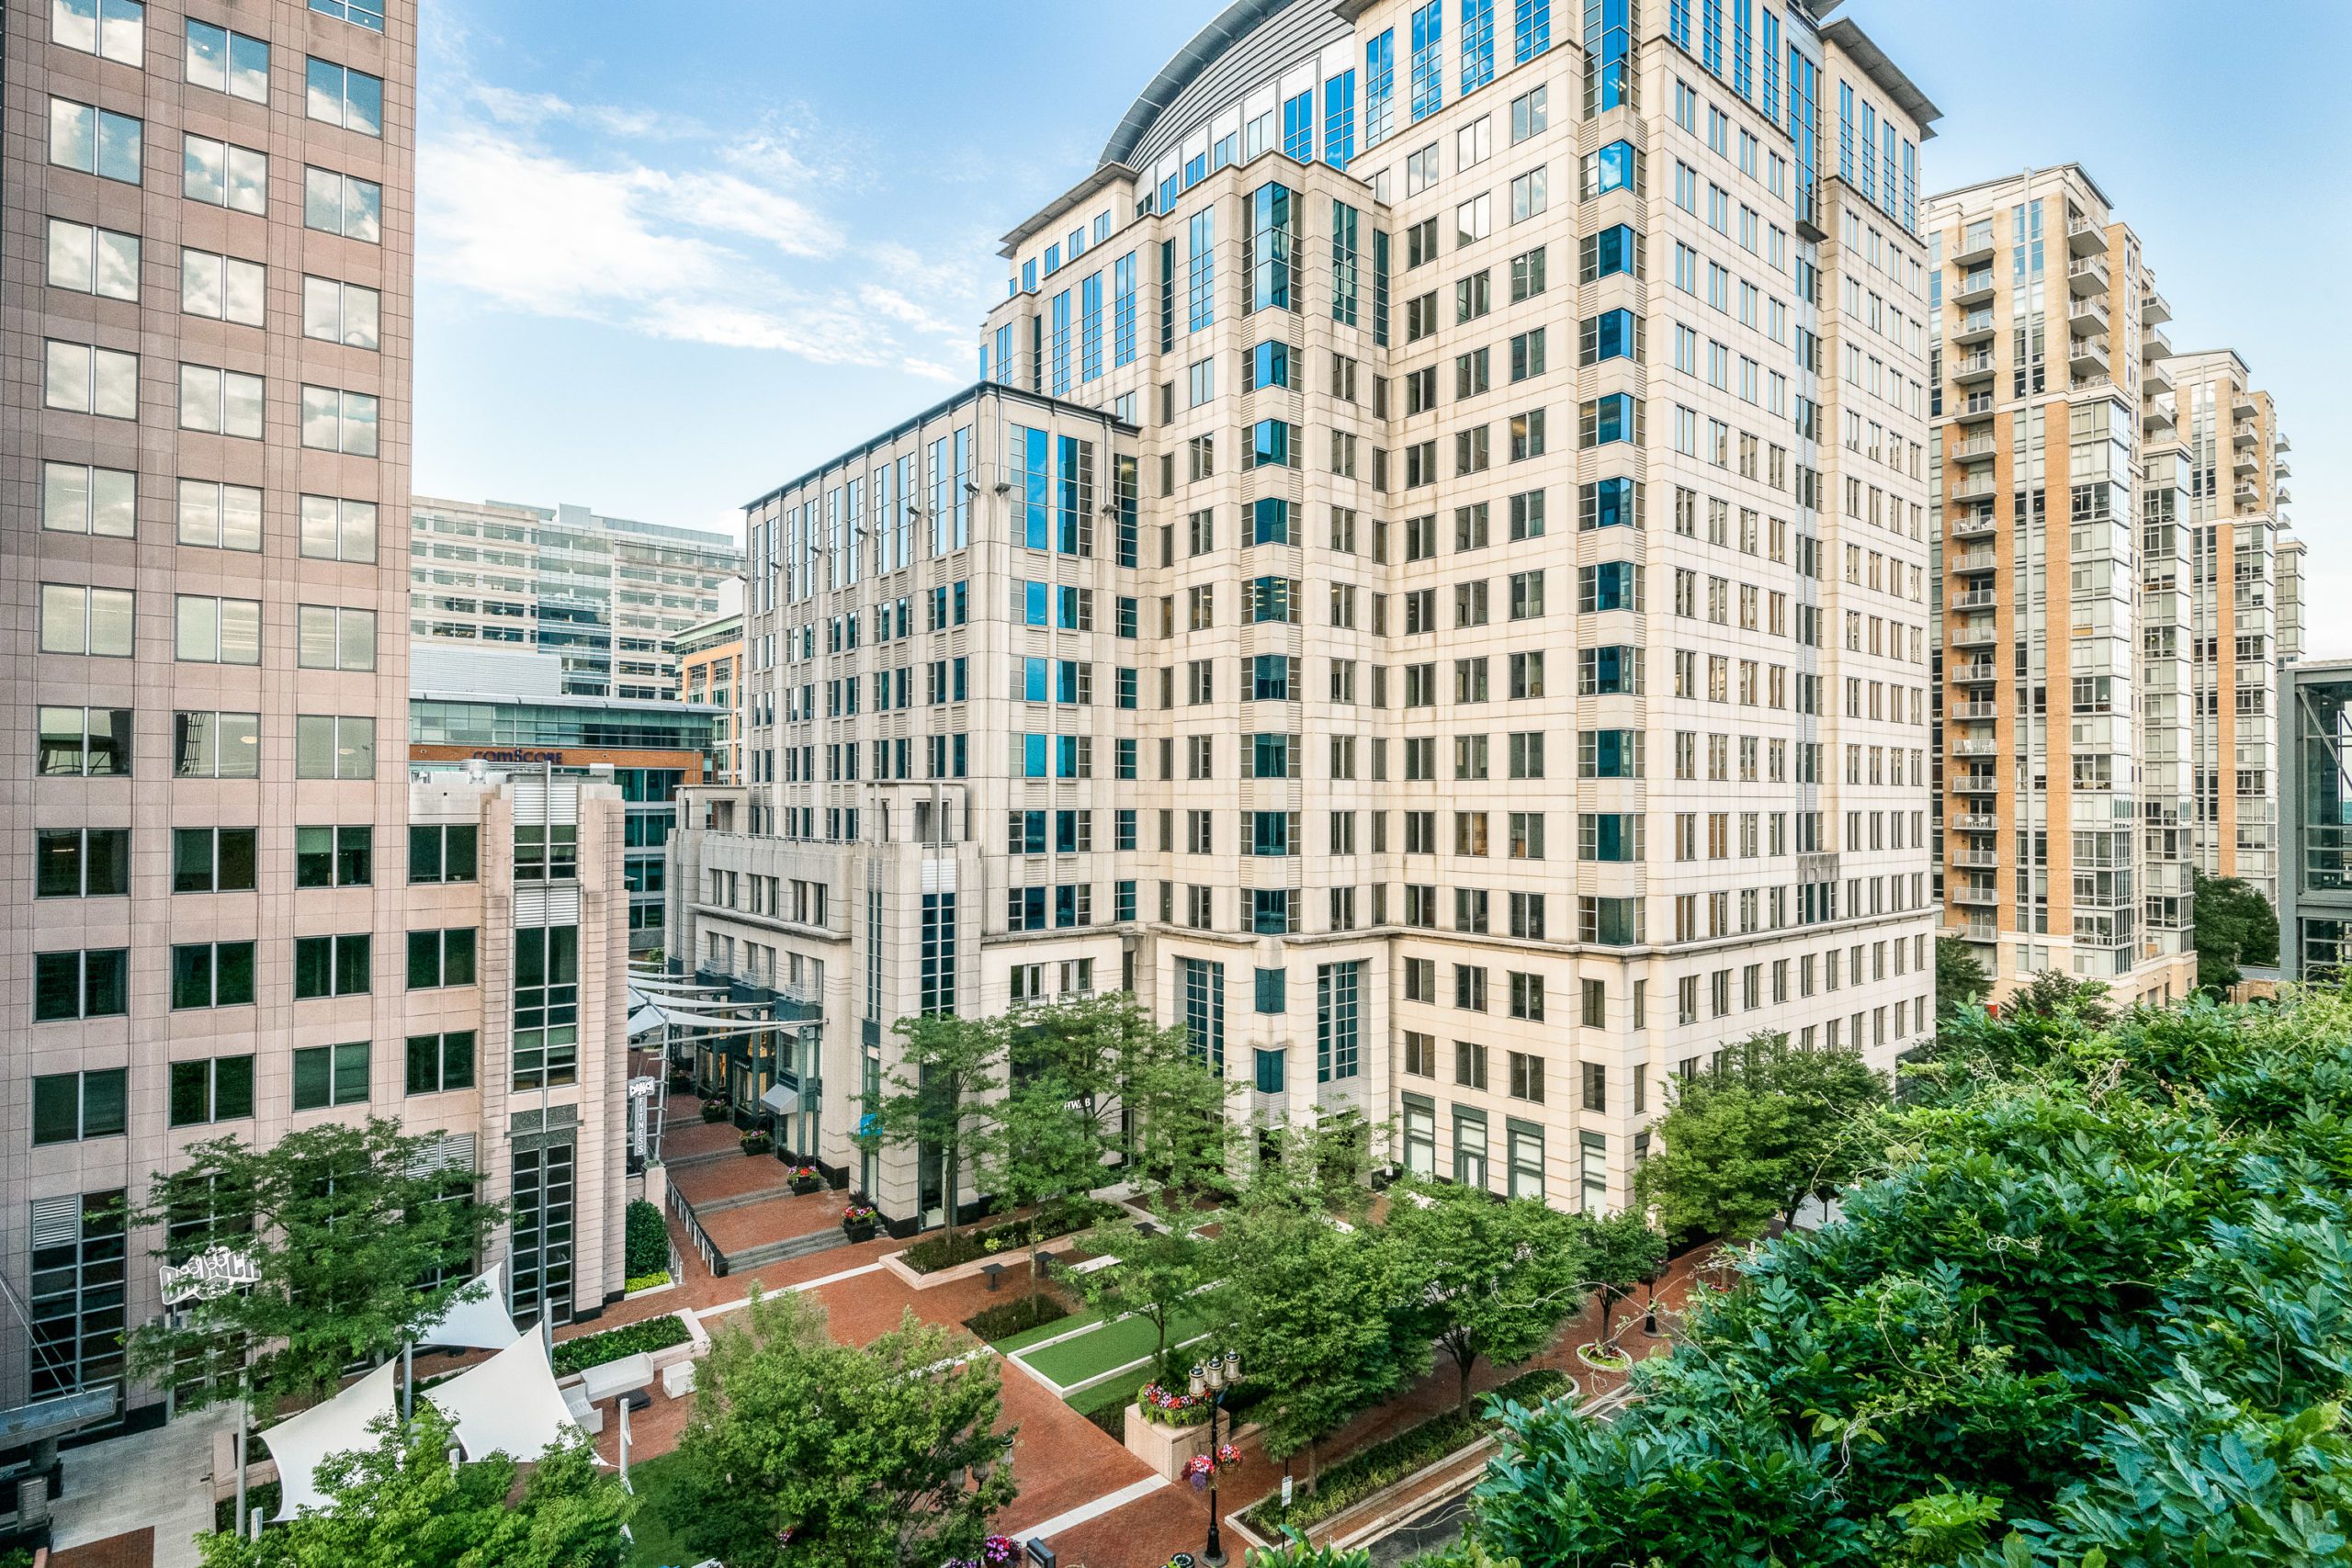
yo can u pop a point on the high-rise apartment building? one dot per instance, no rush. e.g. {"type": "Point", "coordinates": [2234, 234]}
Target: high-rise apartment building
{"type": "Point", "coordinates": [229, 912]}
{"type": "Point", "coordinates": [606, 593]}
{"type": "Point", "coordinates": [1431, 593]}
{"type": "Point", "coordinates": [2066, 808]}
{"type": "Point", "coordinates": [2246, 578]}
{"type": "Point", "coordinates": [710, 673]}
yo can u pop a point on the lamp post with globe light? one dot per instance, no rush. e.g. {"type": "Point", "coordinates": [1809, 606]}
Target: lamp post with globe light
{"type": "Point", "coordinates": [1213, 1380]}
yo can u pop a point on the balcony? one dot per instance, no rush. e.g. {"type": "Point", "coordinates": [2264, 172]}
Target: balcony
{"type": "Point", "coordinates": [2088, 316]}
{"type": "Point", "coordinates": [1975, 860]}
{"type": "Point", "coordinates": [1975, 247]}
{"type": "Point", "coordinates": [2244, 407]}
{"type": "Point", "coordinates": [2247, 463]}
{"type": "Point", "coordinates": [1977, 897]}
{"type": "Point", "coordinates": [1974, 599]}
{"type": "Point", "coordinates": [1974, 712]}
{"type": "Point", "coordinates": [1974, 327]}
{"type": "Point", "coordinates": [1975, 409]}
{"type": "Point", "coordinates": [2158, 378]}
{"type": "Point", "coordinates": [2082, 237]}
{"type": "Point", "coordinates": [2087, 276]}
{"type": "Point", "coordinates": [1982, 672]}
{"type": "Point", "coordinates": [2154, 344]}
{"type": "Point", "coordinates": [1974, 289]}
{"type": "Point", "coordinates": [2282, 443]}
{"type": "Point", "coordinates": [2248, 497]}
{"type": "Point", "coordinates": [1974, 369]}
{"type": "Point", "coordinates": [2154, 309]}
{"type": "Point", "coordinates": [1975, 784]}
{"type": "Point", "coordinates": [1976, 822]}
{"type": "Point", "coordinates": [2156, 417]}
{"type": "Point", "coordinates": [2283, 496]}
{"type": "Point", "coordinates": [1971, 561]}
{"type": "Point", "coordinates": [1974, 747]}
{"type": "Point", "coordinates": [2244, 435]}
{"type": "Point", "coordinates": [1973, 486]}
{"type": "Point", "coordinates": [2087, 358]}
{"type": "Point", "coordinates": [1974, 637]}
{"type": "Point", "coordinates": [1975, 525]}
{"type": "Point", "coordinates": [1975, 449]}
{"type": "Point", "coordinates": [2279, 466]}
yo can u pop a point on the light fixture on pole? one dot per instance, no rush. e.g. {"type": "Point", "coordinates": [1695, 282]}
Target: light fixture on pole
{"type": "Point", "coordinates": [1213, 1380]}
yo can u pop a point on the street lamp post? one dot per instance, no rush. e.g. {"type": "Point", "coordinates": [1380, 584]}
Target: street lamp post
{"type": "Point", "coordinates": [1214, 1379]}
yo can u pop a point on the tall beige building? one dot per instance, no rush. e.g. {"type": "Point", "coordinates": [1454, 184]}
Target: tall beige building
{"type": "Point", "coordinates": [2066, 816]}
{"type": "Point", "coordinates": [2246, 580]}
{"type": "Point", "coordinates": [227, 910]}
{"type": "Point", "coordinates": [1431, 593]}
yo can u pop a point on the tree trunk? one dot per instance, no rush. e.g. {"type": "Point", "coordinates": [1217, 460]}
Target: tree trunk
{"type": "Point", "coordinates": [1608, 1305]}
{"type": "Point", "coordinates": [951, 1173]}
{"type": "Point", "coordinates": [1313, 1466]}
{"type": "Point", "coordinates": [1464, 1361]}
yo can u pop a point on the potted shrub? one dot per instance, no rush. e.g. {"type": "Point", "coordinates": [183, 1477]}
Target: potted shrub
{"type": "Point", "coordinates": [1162, 1408]}
{"type": "Point", "coordinates": [807, 1178]}
{"type": "Point", "coordinates": [714, 1111]}
{"type": "Point", "coordinates": [858, 1220]}
{"type": "Point", "coordinates": [757, 1143]}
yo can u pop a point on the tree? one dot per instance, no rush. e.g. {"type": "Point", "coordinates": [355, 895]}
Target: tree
{"type": "Point", "coordinates": [802, 1452]}
{"type": "Point", "coordinates": [1158, 1104]}
{"type": "Point", "coordinates": [2058, 997]}
{"type": "Point", "coordinates": [1751, 1139]}
{"type": "Point", "coordinates": [1959, 978]}
{"type": "Point", "coordinates": [2234, 925]}
{"type": "Point", "coordinates": [1311, 1306]}
{"type": "Point", "coordinates": [938, 1101]}
{"type": "Point", "coordinates": [1622, 1251]}
{"type": "Point", "coordinates": [1485, 1279]}
{"type": "Point", "coordinates": [1044, 1150]}
{"type": "Point", "coordinates": [1157, 1277]}
{"type": "Point", "coordinates": [340, 1224]}
{"type": "Point", "coordinates": [402, 1503]}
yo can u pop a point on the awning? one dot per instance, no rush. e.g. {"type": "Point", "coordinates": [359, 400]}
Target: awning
{"type": "Point", "coordinates": [302, 1443]}
{"type": "Point", "coordinates": [508, 1404]}
{"type": "Point", "coordinates": [481, 1324]}
{"type": "Point", "coordinates": [782, 1100]}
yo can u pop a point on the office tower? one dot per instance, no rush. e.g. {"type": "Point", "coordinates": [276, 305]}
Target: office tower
{"type": "Point", "coordinates": [710, 673]}
{"type": "Point", "coordinates": [219, 919]}
{"type": "Point", "coordinates": [606, 593]}
{"type": "Point", "coordinates": [1430, 593]}
{"type": "Point", "coordinates": [2245, 578]}
{"type": "Point", "coordinates": [2063, 812]}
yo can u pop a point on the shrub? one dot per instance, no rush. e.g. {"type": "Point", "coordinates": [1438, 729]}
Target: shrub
{"type": "Point", "coordinates": [1166, 1408]}
{"type": "Point", "coordinates": [596, 1349]}
{"type": "Point", "coordinates": [646, 1245]}
{"type": "Point", "coordinates": [756, 1142]}
{"type": "Point", "coordinates": [637, 1283]}
{"type": "Point", "coordinates": [1016, 1317]}
{"type": "Point", "coordinates": [941, 1251]}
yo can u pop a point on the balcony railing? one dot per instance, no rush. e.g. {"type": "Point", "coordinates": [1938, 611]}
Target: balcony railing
{"type": "Point", "coordinates": [1977, 897]}
{"type": "Point", "coordinates": [1986, 747]}
{"type": "Point", "coordinates": [1975, 599]}
{"type": "Point", "coordinates": [1972, 712]}
{"type": "Point", "coordinates": [1974, 327]}
{"type": "Point", "coordinates": [1974, 637]}
{"type": "Point", "coordinates": [1976, 822]}
{"type": "Point", "coordinates": [1976, 561]}
{"type": "Point", "coordinates": [1974, 486]}
{"type": "Point", "coordinates": [1974, 447]}
{"type": "Point", "coordinates": [1981, 673]}
{"type": "Point", "coordinates": [1973, 524]}
{"type": "Point", "coordinates": [1976, 406]}
{"type": "Point", "coordinates": [1976, 860]}
{"type": "Point", "coordinates": [1975, 784]}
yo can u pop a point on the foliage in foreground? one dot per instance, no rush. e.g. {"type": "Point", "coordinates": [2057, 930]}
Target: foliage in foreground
{"type": "Point", "coordinates": [401, 1504]}
{"type": "Point", "coordinates": [2095, 1311]}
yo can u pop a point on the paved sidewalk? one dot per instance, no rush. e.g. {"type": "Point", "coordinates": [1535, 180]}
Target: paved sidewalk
{"type": "Point", "coordinates": [162, 1478]}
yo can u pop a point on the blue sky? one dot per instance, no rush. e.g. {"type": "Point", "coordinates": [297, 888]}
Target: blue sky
{"type": "Point", "coordinates": [664, 268]}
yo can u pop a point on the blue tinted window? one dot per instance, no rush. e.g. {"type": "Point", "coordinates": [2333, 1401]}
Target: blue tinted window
{"type": "Point", "coordinates": [1613, 335]}
{"type": "Point", "coordinates": [1614, 250]}
{"type": "Point", "coordinates": [1298, 127]}
{"type": "Point", "coordinates": [1271, 1071]}
{"type": "Point", "coordinates": [1270, 518]}
{"type": "Point", "coordinates": [1615, 165]}
{"type": "Point", "coordinates": [1269, 365]}
{"type": "Point", "coordinates": [1339, 119]}
{"type": "Point", "coordinates": [1609, 503]}
{"type": "Point", "coordinates": [1270, 678]}
{"type": "Point", "coordinates": [1613, 585]}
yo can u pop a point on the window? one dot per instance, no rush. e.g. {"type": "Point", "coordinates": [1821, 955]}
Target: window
{"type": "Point", "coordinates": [111, 29]}
{"type": "Point", "coordinates": [219, 1088]}
{"type": "Point", "coordinates": [346, 313]}
{"type": "Point", "coordinates": [343, 97]}
{"type": "Point", "coordinates": [218, 516]}
{"type": "Point", "coordinates": [1530, 113]}
{"type": "Point", "coordinates": [1613, 167]}
{"type": "Point", "coordinates": [1526, 1161]}
{"type": "Point", "coordinates": [1527, 196]}
{"type": "Point", "coordinates": [368, 14]}
{"type": "Point", "coordinates": [1526, 1077]}
{"type": "Point", "coordinates": [77, 742]}
{"type": "Point", "coordinates": [329, 747]}
{"type": "Point", "coordinates": [81, 862]}
{"type": "Point", "coordinates": [70, 1106]}
{"type": "Point", "coordinates": [337, 421]}
{"type": "Point", "coordinates": [221, 402]}
{"type": "Point", "coordinates": [334, 529]}
{"type": "Point", "coordinates": [79, 379]}
{"type": "Point", "coordinates": [441, 852]}
{"type": "Point", "coordinates": [342, 203]}
{"type": "Point", "coordinates": [334, 856]}
{"type": "Point", "coordinates": [1337, 1020]}
{"type": "Point", "coordinates": [214, 860]}
{"type": "Point", "coordinates": [95, 141]}
{"type": "Point", "coordinates": [212, 975]}
{"type": "Point", "coordinates": [221, 288]}
{"type": "Point", "coordinates": [331, 966]}
{"type": "Point", "coordinates": [92, 261]}
{"type": "Point", "coordinates": [437, 1063]}
{"type": "Point", "coordinates": [440, 958]}
{"type": "Point", "coordinates": [221, 175]}
{"type": "Point", "coordinates": [96, 621]}
{"type": "Point", "coordinates": [75, 499]}
{"type": "Point", "coordinates": [331, 1075]}
{"type": "Point", "coordinates": [89, 984]}
{"type": "Point", "coordinates": [216, 631]}
{"type": "Point", "coordinates": [226, 62]}
{"type": "Point", "coordinates": [215, 744]}
{"type": "Point", "coordinates": [331, 637]}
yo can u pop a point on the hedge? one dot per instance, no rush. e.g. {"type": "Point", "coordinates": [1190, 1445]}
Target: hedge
{"type": "Point", "coordinates": [630, 1339]}
{"type": "Point", "coordinates": [934, 1253]}
{"type": "Point", "coordinates": [1016, 1317]}
{"type": "Point", "coordinates": [1351, 1480]}
{"type": "Point", "coordinates": [645, 1240]}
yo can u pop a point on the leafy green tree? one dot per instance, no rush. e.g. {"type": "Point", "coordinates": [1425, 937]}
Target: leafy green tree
{"type": "Point", "coordinates": [1484, 1279]}
{"type": "Point", "coordinates": [402, 1503]}
{"type": "Point", "coordinates": [341, 1223]}
{"type": "Point", "coordinates": [1622, 1250]}
{"type": "Point", "coordinates": [939, 1099]}
{"type": "Point", "coordinates": [1310, 1301]}
{"type": "Point", "coordinates": [1961, 980]}
{"type": "Point", "coordinates": [1157, 1105]}
{"type": "Point", "coordinates": [2052, 994]}
{"type": "Point", "coordinates": [1157, 1277]}
{"type": "Point", "coordinates": [1750, 1140]}
{"type": "Point", "coordinates": [1045, 1151]}
{"type": "Point", "coordinates": [802, 1452]}
{"type": "Point", "coordinates": [2234, 925]}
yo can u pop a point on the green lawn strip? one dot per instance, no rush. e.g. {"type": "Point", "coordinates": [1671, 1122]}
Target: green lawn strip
{"type": "Point", "coordinates": [656, 1546]}
{"type": "Point", "coordinates": [1028, 1337]}
{"type": "Point", "coordinates": [1112, 1345]}
{"type": "Point", "coordinates": [1120, 1392]}
{"type": "Point", "coordinates": [1352, 1480]}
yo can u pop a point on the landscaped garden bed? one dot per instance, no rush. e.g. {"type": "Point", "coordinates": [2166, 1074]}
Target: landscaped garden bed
{"type": "Point", "coordinates": [1016, 1317]}
{"type": "Point", "coordinates": [1006, 1242]}
{"type": "Point", "coordinates": [630, 1339]}
{"type": "Point", "coordinates": [1348, 1483]}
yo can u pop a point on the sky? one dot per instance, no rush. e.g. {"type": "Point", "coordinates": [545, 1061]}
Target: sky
{"type": "Point", "coordinates": [663, 269]}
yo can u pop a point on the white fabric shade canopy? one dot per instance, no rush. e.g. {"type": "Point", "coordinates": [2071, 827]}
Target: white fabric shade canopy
{"type": "Point", "coordinates": [509, 1404]}
{"type": "Point", "coordinates": [302, 1443]}
{"type": "Point", "coordinates": [478, 1324]}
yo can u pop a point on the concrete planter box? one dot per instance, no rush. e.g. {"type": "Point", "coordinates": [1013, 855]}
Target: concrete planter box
{"type": "Point", "coordinates": [1169, 1449]}
{"type": "Point", "coordinates": [1015, 1261]}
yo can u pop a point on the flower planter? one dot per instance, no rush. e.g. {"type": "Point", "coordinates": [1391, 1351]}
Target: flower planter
{"type": "Point", "coordinates": [863, 1232]}
{"type": "Point", "coordinates": [1167, 1450]}
{"type": "Point", "coordinates": [804, 1185]}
